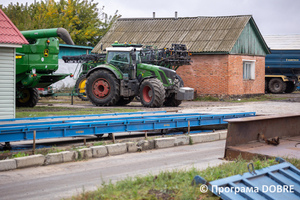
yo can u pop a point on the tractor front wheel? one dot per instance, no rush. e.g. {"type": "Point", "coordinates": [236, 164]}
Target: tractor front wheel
{"type": "Point", "coordinates": [152, 93]}
{"type": "Point", "coordinates": [30, 97]}
{"type": "Point", "coordinates": [102, 88]}
{"type": "Point", "coordinates": [80, 88]}
{"type": "Point", "coordinates": [171, 100]}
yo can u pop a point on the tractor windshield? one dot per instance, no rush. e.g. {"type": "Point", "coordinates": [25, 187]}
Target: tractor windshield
{"type": "Point", "coordinates": [120, 59]}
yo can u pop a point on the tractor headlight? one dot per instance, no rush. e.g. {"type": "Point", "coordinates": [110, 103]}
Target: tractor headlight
{"type": "Point", "coordinates": [33, 71]}
{"type": "Point", "coordinates": [170, 80]}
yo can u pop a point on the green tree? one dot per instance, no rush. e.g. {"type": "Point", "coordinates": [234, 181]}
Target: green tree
{"type": "Point", "coordinates": [85, 22]}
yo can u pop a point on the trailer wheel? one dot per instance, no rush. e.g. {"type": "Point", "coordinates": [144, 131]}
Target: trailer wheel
{"type": "Point", "coordinates": [123, 102]}
{"type": "Point", "coordinates": [266, 86]}
{"type": "Point", "coordinates": [171, 100]}
{"type": "Point", "coordinates": [80, 88]}
{"type": "Point", "coordinates": [102, 88]}
{"type": "Point", "coordinates": [152, 93]}
{"type": "Point", "coordinates": [30, 97]}
{"type": "Point", "coordinates": [276, 85]}
{"type": "Point", "coordinates": [290, 87]}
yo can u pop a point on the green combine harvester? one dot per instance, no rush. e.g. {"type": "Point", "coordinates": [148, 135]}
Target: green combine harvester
{"type": "Point", "coordinates": [37, 62]}
{"type": "Point", "coordinates": [123, 73]}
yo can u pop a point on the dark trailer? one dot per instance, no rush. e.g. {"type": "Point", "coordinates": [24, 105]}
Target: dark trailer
{"type": "Point", "coordinates": [283, 64]}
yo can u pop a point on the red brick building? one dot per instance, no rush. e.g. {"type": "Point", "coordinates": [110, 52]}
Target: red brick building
{"type": "Point", "coordinates": [228, 53]}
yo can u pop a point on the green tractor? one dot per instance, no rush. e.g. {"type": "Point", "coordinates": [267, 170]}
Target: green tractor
{"type": "Point", "coordinates": [36, 62]}
{"type": "Point", "coordinates": [120, 76]}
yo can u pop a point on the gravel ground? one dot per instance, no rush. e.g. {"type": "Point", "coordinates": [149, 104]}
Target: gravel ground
{"type": "Point", "coordinates": [290, 105]}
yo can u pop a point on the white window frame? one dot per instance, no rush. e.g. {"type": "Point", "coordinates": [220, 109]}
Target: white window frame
{"type": "Point", "coordinates": [248, 69]}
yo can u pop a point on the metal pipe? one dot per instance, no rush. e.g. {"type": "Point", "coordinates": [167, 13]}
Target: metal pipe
{"type": "Point", "coordinates": [153, 15]}
{"type": "Point", "coordinates": [46, 33]}
{"type": "Point", "coordinates": [176, 15]}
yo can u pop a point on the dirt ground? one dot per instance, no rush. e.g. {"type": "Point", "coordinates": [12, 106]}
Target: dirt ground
{"type": "Point", "coordinates": [290, 105]}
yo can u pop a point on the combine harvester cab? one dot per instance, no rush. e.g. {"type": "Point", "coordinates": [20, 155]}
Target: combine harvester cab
{"type": "Point", "coordinates": [36, 63]}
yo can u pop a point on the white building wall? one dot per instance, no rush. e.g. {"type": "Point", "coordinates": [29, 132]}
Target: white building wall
{"type": "Point", "coordinates": [7, 82]}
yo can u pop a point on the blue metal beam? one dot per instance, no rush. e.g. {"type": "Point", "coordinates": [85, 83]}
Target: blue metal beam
{"type": "Point", "coordinates": [76, 116]}
{"type": "Point", "coordinates": [12, 132]}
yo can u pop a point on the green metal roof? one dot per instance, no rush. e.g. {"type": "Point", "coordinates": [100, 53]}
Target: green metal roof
{"type": "Point", "coordinates": [207, 35]}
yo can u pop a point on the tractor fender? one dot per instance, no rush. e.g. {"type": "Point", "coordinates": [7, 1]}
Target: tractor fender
{"type": "Point", "coordinates": [106, 67]}
{"type": "Point", "coordinates": [142, 79]}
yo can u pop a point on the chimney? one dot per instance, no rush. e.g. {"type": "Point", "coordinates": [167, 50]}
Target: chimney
{"type": "Point", "coordinates": [153, 15]}
{"type": "Point", "coordinates": [175, 14]}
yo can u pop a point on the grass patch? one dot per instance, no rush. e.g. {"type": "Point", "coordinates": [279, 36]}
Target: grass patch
{"type": "Point", "coordinates": [267, 97]}
{"type": "Point", "coordinates": [175, 184]}
{"type": "Point", "coordinates": [99, 143]}
{"type": "Point", "coordinates": [206, 98]}
{"type": "Point", "coordinates": [42, 111]}
{"type": "Point", "coordinates": [19, 154]}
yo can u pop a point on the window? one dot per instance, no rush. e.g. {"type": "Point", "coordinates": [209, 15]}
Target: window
{"type": "Point", "coordinates": [248, 69]}
{"type": "Point", "coordinates": [120, 59]}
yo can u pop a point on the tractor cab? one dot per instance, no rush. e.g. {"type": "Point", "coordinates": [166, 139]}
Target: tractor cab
{"type": "Point", "coordinates": [125, 57]}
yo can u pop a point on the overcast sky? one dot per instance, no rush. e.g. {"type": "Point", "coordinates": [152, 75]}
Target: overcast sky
{"type": "Point", "coordinates": [273, 17]}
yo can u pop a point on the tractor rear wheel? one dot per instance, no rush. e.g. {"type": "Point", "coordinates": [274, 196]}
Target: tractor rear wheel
{"type": "Point", "coordinates": [171, 100]}
{"type": "Point", "coordinates": [123, 102]}
{"type": "Point", "coordinates": [102, 88]}
{"type": "Point", "coordinates": [30, 97]}
{"type": "Point", "coordinates": [152, 93]}
{"type": "Point", "coordinates": [80, 88]}
{"type": "Point", "coordinates": [290, 87]}
{"type": "Point", "coordinates": [276, 85]}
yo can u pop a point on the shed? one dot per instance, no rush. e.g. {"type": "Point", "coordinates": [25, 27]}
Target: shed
{"type": "Point", "coordinates": [228, 52]}
{"type": "Point", "coordinates": [10, 39]}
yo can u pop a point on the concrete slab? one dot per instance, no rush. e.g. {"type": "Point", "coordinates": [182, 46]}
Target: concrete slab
{"type": "Point", "coordinates": [8, 164]}
{"type": "Point", "coordinates": [204, 137]}
{"type": "Point", "coordinates": [53, 158]}
{"type": "Point", "coordinates": [151, 144]}
{"type": "Point", "coordinates": [29, 161]}
{"type": "Point", "coordinates": [223, 135]}
{"type": "Point", "coordinates": [99, 151]}
{"type": "Point", "coordinates": [86, 153]}
{"type": "Point", "coordinates": [164, 142]}
{"type": "Point", "coordinates": [115, 149]}
{"type": "Point", "coordinates": [131, 147]}
{"type": "Point", "coordinates": [182, 140]}
{"type": "Point", "coordinates": [69, 156]}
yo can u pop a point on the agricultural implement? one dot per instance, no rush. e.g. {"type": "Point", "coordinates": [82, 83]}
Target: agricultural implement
{"type": "Point", "coordinates": [37, 62]}
{"type": "Point", "coordinates": [127, 71]}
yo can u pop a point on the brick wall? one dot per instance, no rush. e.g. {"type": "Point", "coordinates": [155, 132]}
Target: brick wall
{"type": "Point", "coordinates": [222, 75]}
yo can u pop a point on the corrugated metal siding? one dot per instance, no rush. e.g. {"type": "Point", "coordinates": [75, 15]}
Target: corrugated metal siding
{"type": "Point", "coordinates": [248, 43]}
{"type": "Point", "coordinates": [200, 34]}
{"type": "Point", "coordinates": [284, 42]}
{"type": "Point", "coordinates": [7, 83]}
